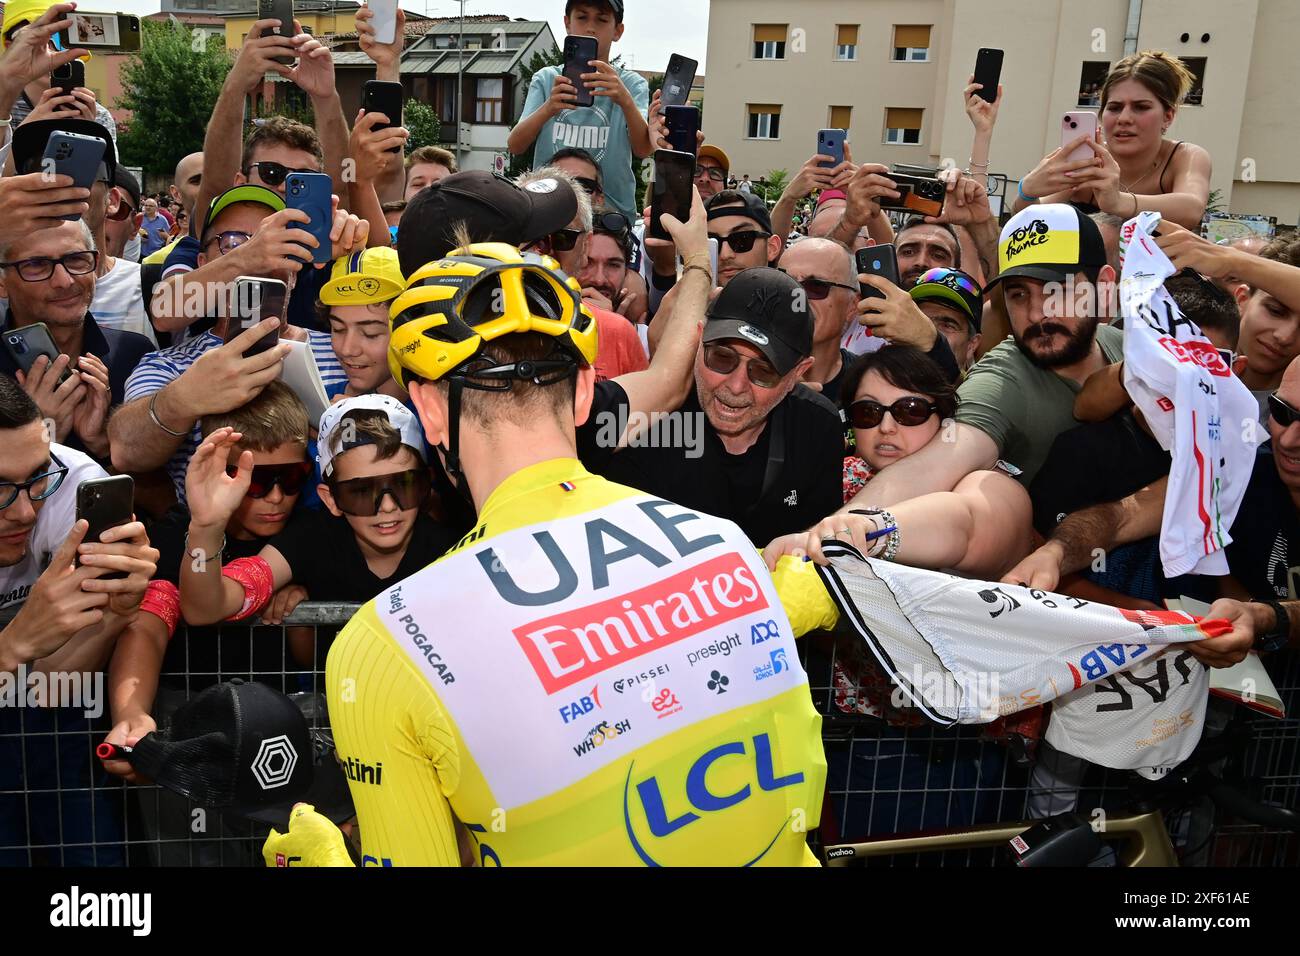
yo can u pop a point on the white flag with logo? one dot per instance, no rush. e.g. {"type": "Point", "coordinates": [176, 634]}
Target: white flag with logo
{"type": "Point", "coordinates": [1197, 409]}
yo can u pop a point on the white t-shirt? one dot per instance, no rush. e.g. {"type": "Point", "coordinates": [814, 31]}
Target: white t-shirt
{"type": "Point", "coordinates": [57, 516]}
{"type": "Point", "coordinates": [119, 301]}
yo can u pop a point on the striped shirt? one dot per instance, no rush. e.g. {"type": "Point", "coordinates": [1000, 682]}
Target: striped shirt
{"type": "Point", "coordinates": [159, 369]}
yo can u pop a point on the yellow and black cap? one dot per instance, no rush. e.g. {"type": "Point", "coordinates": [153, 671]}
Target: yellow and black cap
{"type": "Point", "coordinates": [1050, 243]}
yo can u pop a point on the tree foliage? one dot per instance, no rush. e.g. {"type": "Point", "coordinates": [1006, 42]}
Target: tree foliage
{"type": "Point", "coordinates": [422, 122]}
{"type": "Point", "coordinates": [170, 87]}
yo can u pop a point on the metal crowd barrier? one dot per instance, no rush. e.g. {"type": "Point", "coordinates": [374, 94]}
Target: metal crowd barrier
{"type": "Point", "coordinates": [58, 807]}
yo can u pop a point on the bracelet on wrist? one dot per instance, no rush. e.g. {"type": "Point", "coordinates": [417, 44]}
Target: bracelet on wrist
{"type": "Point", "coordinates": [207, 558]}
{"type": "Point", "coordinates": [1020, 188]}
{"type": "Point", "coordinates": [153, 414]}
{"type": "Point", "coordinates": [971, 162]}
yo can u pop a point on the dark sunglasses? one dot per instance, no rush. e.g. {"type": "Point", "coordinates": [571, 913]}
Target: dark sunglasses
{"type": "Point", "coordinates": [710, 172]}
{"type": "Point", "coordinates": [906, 411]}
{"type": "Point", "coordinates": [290, 477]}
{"type": "Point", "coordinates": [124, 211]}
{"type": "Point", "coordinates": [38, 487]}
{"type": "Point", "coordinates": [1284, 414]}
{"type": "Point", "coordinates": [724, 360]}
{"type": "Point", "coordinates": [273, 174]}
{"type": "Point", "coordinates": [564, 240]}
{"type": "Point", "coordinates": [818, 289]}
{"type": "Point", "coordinates": [741, 241]}
{"type": "Point", "coordinates": [588, 184]}
{"type": "Point", "coordinates": [362, 497]}
{"type": "Point", "coordinates": [228, 241]}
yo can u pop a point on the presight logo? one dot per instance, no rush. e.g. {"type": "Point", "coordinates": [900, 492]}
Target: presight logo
{"type": "Point", "coordinates": [582, 706]}
{"type": "Point", "coordinates": [575, 645]}
{"type": "Point", "coordinates": [652, 798]}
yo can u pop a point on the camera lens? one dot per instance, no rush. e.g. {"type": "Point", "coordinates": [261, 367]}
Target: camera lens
{"type": "Point", "coordinates": [1073, 125]}
{"type": "Point", "coordinates": [875, 264]}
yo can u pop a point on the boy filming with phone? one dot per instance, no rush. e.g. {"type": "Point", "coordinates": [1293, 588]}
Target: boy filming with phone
{"type": "Point", "coordinates": [613, 127]}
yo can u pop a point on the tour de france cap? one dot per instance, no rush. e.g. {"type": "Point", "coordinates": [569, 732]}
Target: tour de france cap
{"type": "Point", "coordinates": [762, 308]}
{"type": "Point", "coordinates": [1050, 243]}
{"type": "Point", "coordinates": [399, 416]}
{"type": "Point", "coordinates": [364, 278]}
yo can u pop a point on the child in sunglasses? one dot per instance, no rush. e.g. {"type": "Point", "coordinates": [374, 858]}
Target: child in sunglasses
{"type": "Point", "coordinates": [376, 484]}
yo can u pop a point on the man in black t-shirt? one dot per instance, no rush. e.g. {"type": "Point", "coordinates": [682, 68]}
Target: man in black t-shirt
{"type": "Point", "coordinates": [750, 443]}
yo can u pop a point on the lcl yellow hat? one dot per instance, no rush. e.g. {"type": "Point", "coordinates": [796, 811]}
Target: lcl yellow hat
{"type": "Point", "coordinates": [364, 278]}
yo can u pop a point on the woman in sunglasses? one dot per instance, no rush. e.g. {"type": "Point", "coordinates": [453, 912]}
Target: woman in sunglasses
{"type": "Point", "coordinates": [897, 401]}
{"type": "Point", "coordinates": [375, 533]}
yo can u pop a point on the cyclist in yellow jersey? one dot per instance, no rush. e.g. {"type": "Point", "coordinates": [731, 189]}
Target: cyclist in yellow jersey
{"type": "Point", "coordinates": [592, 676]}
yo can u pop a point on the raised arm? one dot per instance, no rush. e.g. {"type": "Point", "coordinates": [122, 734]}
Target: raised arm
{"type": "Point", "coordinates": [387, 57]}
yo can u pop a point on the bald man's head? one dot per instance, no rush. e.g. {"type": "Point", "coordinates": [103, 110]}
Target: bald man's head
{"type": "Point", "coordinates": [186, 182]}
{"type": "Point", "coordinates": [1286, 438]}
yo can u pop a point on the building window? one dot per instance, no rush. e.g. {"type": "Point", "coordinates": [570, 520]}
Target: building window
{"type": "Point", "coordinates": [1091, 78]}
{"type": "Point", "coordinates": [911, 44]}
{"type": "Point", "coordinates": [490, 101]}
{"type": "Point", "coordinates": [764, 122]}
{"type": "Point", "coordinates": [1196, 65]}
{"type": "Point", "coordinates": [769, 41]}
{"type": "Point", "coordinates": [846, 42]}
{"type": "Point", "coordinates": [902, 126]}
{"type": "Point", "coordinates": [840, 117]}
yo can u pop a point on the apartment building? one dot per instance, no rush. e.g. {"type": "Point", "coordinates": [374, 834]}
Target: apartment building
{"type": "Point", "coordinates": [891, 72]}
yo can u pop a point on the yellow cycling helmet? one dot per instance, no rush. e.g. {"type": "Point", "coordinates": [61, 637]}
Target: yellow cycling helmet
{"type": "Point", "coordinates": [453, 307]}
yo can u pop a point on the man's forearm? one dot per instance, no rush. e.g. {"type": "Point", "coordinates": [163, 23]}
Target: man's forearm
{"type": "Point", "coordinates": [939, 466]}
{"type": "Point", "coordinates": [1086, 535]}
{"type": "Point", "coordinates": [638, 130]}
{"type": "Point", "coordinates": [364, 203]}
{"type": "Point", "coordinates": [181, 299]}
{"type": "Point", "coordinates": [783, 216]}
{"type": "Point", "coordinates": [89, 650]}
{"type": "Point", "coordinates": [332, 127]}
{"type": "Point", "coordinates": [137, 441]}
{"type": "Point", "coordinates": [985, 235]}
{"type": "Point", "coordinates": [526, 131]}
{"type": "Point", "coordinates": [222, 145]}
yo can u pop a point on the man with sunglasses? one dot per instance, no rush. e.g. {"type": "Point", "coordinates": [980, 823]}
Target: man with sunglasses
{"type": "Point", "coordinates": [771, 453]}
{"type": "Point", "coordinates": [954, 302]}
{"type": "Point", "coordinates": [49, 277]}
{"type": "Point", "coordinates": [375, 486]}
{"type": "Point", "coordinates": [825, 273]}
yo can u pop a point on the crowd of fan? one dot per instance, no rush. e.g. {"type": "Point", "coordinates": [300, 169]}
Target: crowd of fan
{"type": "Point", "coordinates": [997, 432]}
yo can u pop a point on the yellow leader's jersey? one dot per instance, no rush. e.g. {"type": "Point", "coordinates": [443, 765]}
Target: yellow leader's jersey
{"type": "Point", "coordinates": [679, 734]}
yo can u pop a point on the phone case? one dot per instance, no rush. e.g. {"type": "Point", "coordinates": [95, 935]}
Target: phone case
{"type": "Point", "coordinates": [917, 194]}
{"type": "Point", "coordinates": [256, 299]}
{"type": "Point", "coordinates": [281, 10]}
{"type": "Point", "coordinates": [311, 193]}
{"type": "Point", "coordinates": [683, 123]}
{"type": "Point", "coordinates": [830, 142]}
{"type": "Point", "coordinates": [578, 54]}
{"type": "Point", "coordinates": [1074, 125]}
{"type": "Point", "coordinates": [881, 260]}
{"type": "Point", "coordinates": [29, 343]}
{"type": "Point", "coordinates": [105, 503]}
{"type": "Point", "coordinates": [674, 175]}
{"type": "Point", "coordinates": [678, 80]}
{"type": "Point", "coordinates": [988, 71]}
{"type": "Point", "coordinates": [385, 19]}
{"type": "Point", "coordinates": [75, 155]}
{"type": "Point", "coordinates": [69, 76]}
{"type": "Point", "coordinates": [379, 96]}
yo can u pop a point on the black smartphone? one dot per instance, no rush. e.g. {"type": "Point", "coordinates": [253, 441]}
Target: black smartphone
{"type": "Point", "coordinates": [105, 503]}
{"type": "Point", "coordinates": [683, 128]}
{"type": "Point", "coordinates": [880, 261]}
{"type": "Point", "coordinates": [69, 76]}
{"type": "Point", "coordinates": [281, 10]}
{"type": "Point", "coordinates": [678, 80]}
{"type": "Point", "coordinates": [988, 70]}
{"type": "Point", "coordinates": [257, 299]}
{"type": "Point", "coordinates": [118, 32]}
{"type": "Point", "coordinates": [578, 54]}
{"type": "Point", "coordinates": [380, 96]}
{"type": "Point", "coordinates": [674, 178]}
{"type": "Point", "coordinates": [75, 155]}
{"type": "Point", "coordinates": [29, 343]}
{"type": "Point", "coordinates": [916, 194]}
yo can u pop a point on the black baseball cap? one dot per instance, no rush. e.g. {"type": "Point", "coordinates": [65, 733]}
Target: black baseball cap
{"type": "Point", "coordinates": [30, 140]}
{"type": "Point", "coordinates": [767, 309]}
{"type": "Point", "coordinates": [492, 208]}
{"type": "Point", "coordinates": [750, 206]}
{"type": "Point", "coordinates": [125, 179]}
{"type": "Point", "coordinates": [242, 748]}
{"type": "Point", "coordinates": [615, 5]}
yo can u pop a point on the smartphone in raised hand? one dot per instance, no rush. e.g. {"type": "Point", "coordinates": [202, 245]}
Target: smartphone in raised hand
{"type": "Point", "coordinates": [105, 503]}
{"type": "Point", "coordinates": [380, 96]}
{"type": "Point", "coordinates": [27, 344]}
{"type": "Point", "coordinates": [683, 124]}
{"type": "Point", "coordinates": [257, 299]}
{"type": "Point", "coordinates": [881, 260]}
{"type": "Point", "coordinates": [674, 179]}
{"type": "Point", "coordinates": [830, 142]}
{"type": "Point", "coordinates": [988, 72]}
{"type": "Point", "coordinates": [281, 10]}
{"type": "Point", "coordinates": [312, 192]}
{"type": "Point", "coordinates": [69, 76]}
{"type": "Point", "coordinates": [119, 32]}
{"type": "Point", "coordinates": [578, 54]}
{"type": "Point", "coordinates": [1074, 125]}
{"type": "Point", "coordinates": [678, 80]}
{"type": "Point", "coordinates": [922, 195]}
{"type": "Point", "coordinates": [384, 20]}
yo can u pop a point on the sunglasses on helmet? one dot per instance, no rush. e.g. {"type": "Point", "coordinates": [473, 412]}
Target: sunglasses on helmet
{"type": "Point", "coordinates": [290, 477]}
{"type": "Point", "coordinates": [952, 279]}
{"type": "Point", "coordinates": [909, 411]}
{"type": "Point", "coordinates": [363, 497]}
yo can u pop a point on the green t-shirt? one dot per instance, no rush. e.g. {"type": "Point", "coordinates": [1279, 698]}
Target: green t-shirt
{"type": "Point", "coordinates": [1021, 406]}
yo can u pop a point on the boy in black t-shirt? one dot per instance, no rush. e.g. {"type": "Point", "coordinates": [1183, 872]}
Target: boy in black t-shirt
{"type": "Point", "coordinates": [376, 485]}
